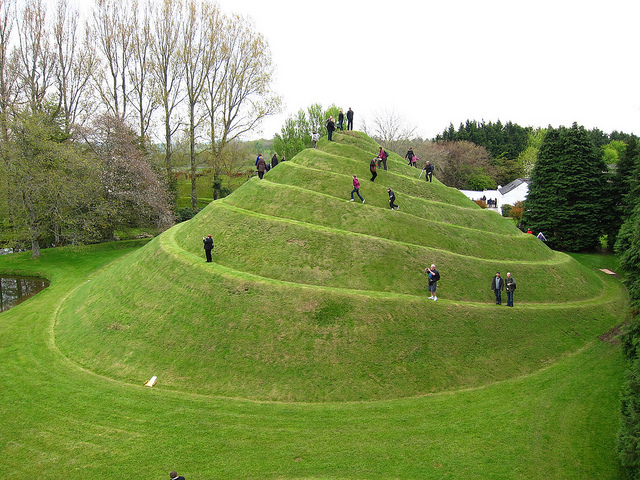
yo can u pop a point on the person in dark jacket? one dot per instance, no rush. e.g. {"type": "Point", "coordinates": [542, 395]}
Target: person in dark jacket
{"type": "Point", "coordinates": [497, 285]}
{"type": "Point", "coordinates": [349, 119]}
{"type": "Point", "coordinates": [409, 155]}
{"type": "Point", "coordinates": [392, 199]}
{"type": "Point", "coordinates": [510, 286]}
{"type": "Point", "coordinates": [331, 126]}
{"type": "Point", "coordinates": [174, 476]}
{"type": "Point", "coordinates": [274, 160]}
{"type": "Point", "coordinates": [208, 246]}
{"type": "Point", "coordinates": [428, 172]}
{"type": "Point", "coordinates": [340, 120]}
{"type": "Point", "coordinates": [372, 169]}
{"type": "Point", "coordinates": [262, 166]}
{"type": "Point", "coordinates": [434, 276]}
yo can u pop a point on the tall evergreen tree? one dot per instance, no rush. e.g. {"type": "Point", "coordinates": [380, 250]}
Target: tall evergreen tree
{"type": "Point", "coordinates": [566, 192]}
{"type": "Point", "coordinates": [628, 249]}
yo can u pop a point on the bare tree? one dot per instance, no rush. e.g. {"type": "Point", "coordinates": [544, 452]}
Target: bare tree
{"type": "Point", "coordinates": [76, 61]}
{"type": "Point", "coordinates": [143, 95]}
{"type": "Point", "coordinates": [7, 75]}
{"type": "Point", "coordinates": [199, 53]}
{"type": "Point", "coordinates": [34, 54]}
{"type": "Point", "coordinates": [168, 70]}
{"type": "Point", "coordinates": [113, 32]}
{"type": "Point", "coordinates": [240, 98]}
{"type": "Point", "coordinates": [390, 129]}
{"type": "Point", "coordinates": [454, 162]}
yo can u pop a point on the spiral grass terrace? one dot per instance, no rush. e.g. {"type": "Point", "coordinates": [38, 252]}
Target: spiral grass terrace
{"type": "Point", "coordinates": [308, 349]}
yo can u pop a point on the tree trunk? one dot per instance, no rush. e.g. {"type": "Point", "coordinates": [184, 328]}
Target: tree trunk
{"type": "Point", "coordinates": [35, 248]}
{"type": "Point", "coordinates": [192, 158]}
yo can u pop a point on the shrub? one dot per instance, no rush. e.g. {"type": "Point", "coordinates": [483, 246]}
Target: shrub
{"type": "Point", "coordinates": [185, 214]}
{"type": "Point", "coordinates": [516, 211]}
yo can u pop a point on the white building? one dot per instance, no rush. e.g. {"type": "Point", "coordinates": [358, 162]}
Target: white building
{"type": "Point", "coordinates": [515, 191]}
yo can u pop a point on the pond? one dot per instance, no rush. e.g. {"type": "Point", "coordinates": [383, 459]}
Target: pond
{"type": "Point", "coordinates": [16, 289]}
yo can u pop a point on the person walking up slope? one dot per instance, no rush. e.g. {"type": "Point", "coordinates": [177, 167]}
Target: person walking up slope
{"type": "Point", "coordinates": [261, 165]}
{"type": "Point", "coordinates": [392, 199]}
{"type": "Point", "coordinates": [356, 189]}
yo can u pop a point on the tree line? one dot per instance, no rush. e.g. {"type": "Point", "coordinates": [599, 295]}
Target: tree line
{"type": "Point", "coordinates": [87, 100]}
{"type": "Point", "coordinates": [627, 248]}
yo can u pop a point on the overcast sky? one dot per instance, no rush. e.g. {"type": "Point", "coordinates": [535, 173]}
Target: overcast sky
{"type": "Point", "coordinates": [550, 62]}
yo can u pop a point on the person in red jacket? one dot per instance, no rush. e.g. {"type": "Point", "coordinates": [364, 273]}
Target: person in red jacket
{"type": "Point", "coordinates": [356, 188]}
{"type": "Point", "coordinates": [382, 158]}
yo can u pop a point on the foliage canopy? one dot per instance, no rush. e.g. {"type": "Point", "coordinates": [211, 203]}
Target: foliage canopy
{"type": "Point", "coordinates": [566, 191]}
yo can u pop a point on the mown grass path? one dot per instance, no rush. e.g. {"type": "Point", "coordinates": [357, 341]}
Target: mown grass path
{"type": "Point", "coordinates": [611, 291]}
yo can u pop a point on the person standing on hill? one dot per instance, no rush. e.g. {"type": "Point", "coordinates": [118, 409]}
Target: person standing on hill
{"type": "Point", "coordinates": [392, 199]}
{"type": "Point", "coordinates": [208, 246]}
{"type": "Point", "coordinates": [340, 120]}
{"type": "Point", "coordinates": [262, 166]}
{"type": "Point", "coordinates": [356, 189]}
{"type": "Point", "coordinates": [274, 160]}
{"type": "Point", "coordinates": [510, 286]}
{"type": "Point", "coordinates": [382, 158]}
{"type": "Point", "coordinates": [497, 285]}
{"type": "Point", "coordinates": [315, 136]}
{"type": "Point", "coordinates": [428, 172]}
{"type": "Point", "coordinates": [372, 169]}
{"type": "Point", "coordinates": [434, 276]}
{"type": "Point", "coordinates": [409, 155]}
{"type": "Point", "coordinates": [349, 119]}
{"type": "Point", "coordinates": [331, 126]}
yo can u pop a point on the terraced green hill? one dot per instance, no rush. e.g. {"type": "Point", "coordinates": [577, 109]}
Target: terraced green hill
{"type": "Point", "coordinates": [314, 298]}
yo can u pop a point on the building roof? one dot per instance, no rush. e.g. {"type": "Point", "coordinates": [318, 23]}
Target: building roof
{"type": "Point", "coordinates": [513, 185]}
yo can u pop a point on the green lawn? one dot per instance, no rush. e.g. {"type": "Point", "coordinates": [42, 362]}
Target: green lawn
{"type": "Point", "coordinates": [62, 421]}
{"type": "Point", "coordinates": [308, 348]}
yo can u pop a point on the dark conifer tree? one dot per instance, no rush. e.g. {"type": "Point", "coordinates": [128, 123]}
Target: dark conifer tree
{"type": "Point", "coordinates": [565, 199]}
{"type": "Point", "coordinates": [628, 250]}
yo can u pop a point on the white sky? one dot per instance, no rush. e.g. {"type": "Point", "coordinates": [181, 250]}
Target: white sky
{"type": "Point", "coordinates": [549, 62]}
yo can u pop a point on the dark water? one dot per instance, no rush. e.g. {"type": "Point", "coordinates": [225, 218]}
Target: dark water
{"type": "Point", "coordinates": [15, 289]}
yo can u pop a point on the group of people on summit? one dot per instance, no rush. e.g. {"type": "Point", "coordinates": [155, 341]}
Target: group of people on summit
{"type": "Point", "coordinates": [332, 127]}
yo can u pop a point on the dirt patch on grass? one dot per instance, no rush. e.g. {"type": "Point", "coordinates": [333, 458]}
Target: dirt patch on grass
{"type": "Point", "coordinates": [612, 336]}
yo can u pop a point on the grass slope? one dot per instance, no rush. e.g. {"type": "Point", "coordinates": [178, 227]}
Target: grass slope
{"type": "Point", "coordinates": [60, 420]}
{"type": "Point", "coordinates": [312, 298]}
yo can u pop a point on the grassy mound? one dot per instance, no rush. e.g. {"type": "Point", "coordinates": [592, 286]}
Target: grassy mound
{"type": "Point", "coordinates": [315, 298]}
